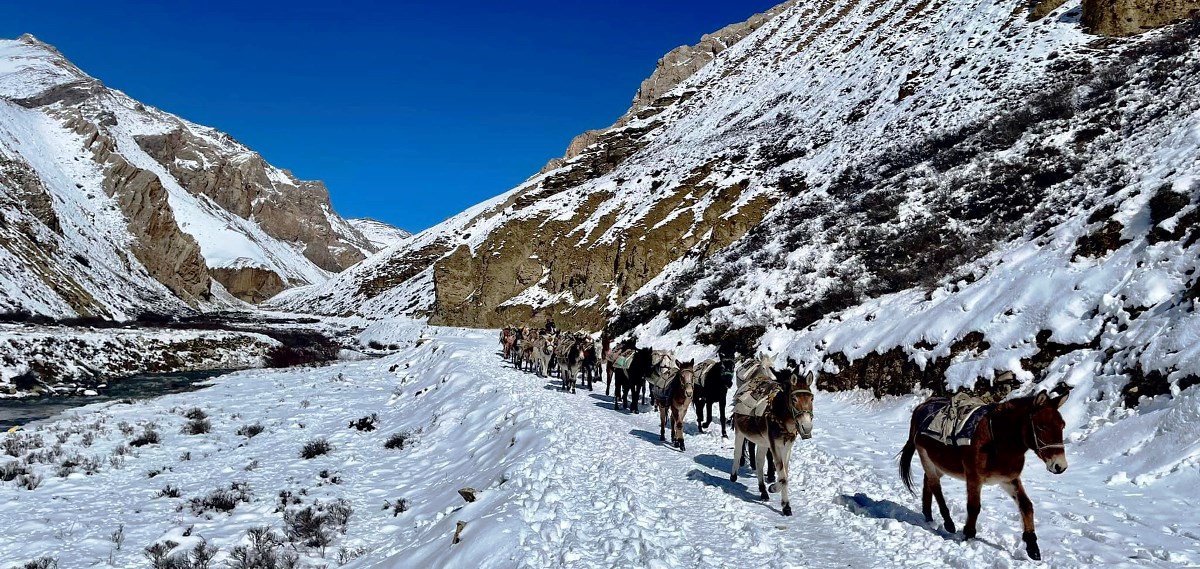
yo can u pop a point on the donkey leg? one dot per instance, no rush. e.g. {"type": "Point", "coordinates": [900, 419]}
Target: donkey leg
{"type": "Point", "coordinates": [677, 425]}
{"type": "Point", "coordinates": [721, 404]}
{"type": "Point", "coordinates": [699, 415]}
{"type": "Point", "coordinates": [974, 486]}
{"type": "Point", "coordinates": [760, 463]}
{"type": "Point", "coordinates": [770, 464]}
{"type": "Point", "coordinates": [927, 499]}
{"type": "Point", "coordinates": [662, 424]}
{"type": "Point", "coordinates": [737, 455]}
{"type": "Point", "coordinates": [781, 466]}
{"type": "Point", "coordinates": [935, 486]}
{"type": "Point", "coordinates": [1017, 491]}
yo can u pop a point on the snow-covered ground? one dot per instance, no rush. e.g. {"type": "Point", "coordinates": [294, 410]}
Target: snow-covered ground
{"type": "Point", "coordinates": [564, 480]}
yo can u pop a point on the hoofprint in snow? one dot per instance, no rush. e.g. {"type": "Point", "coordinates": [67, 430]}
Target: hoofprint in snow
{"type": "Point", "coordinates": [564, 480]}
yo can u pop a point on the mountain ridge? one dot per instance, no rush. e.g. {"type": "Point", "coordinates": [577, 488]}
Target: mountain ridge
{"type": "Point", "coordinates": [199, 213]}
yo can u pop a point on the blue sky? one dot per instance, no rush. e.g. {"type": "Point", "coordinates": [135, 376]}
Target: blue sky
{"type": "Point", "coordinates": [409, 111]}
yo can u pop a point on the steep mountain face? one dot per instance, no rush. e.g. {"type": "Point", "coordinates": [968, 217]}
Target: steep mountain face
{"type": "Point", "coordinates": [380, 234]}
{"type": "Point", "coordinates": [897, 195]}
{"type": "Point", "coordinates": [111, 208]}
{"type": "Point", "coordinates": [1129, 17]}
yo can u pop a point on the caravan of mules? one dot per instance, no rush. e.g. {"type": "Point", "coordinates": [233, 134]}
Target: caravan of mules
{"type": "Point", "coordinates": [773, 407]}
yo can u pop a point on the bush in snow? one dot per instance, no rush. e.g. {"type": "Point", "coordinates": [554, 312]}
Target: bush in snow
{"type": "Point", "coordinates": [221, 500]}
{"type": "Point", "coordinates": [195, 413]}
{"type": "Point", "coordinates": [263, 552]}
{"type": "Point", "coordinates": [46, 562]}
{"type": "Point", "coordinates": [365, 423]}
{"type": "Point", "coordinates": [330, 477]}
{"type": "Point", "coordinates": [348, 554]}
{"type": "Point", "coordinates": [15, 444]}
{"type": "Point", "coordinates": [29, 481]}
{"type": "Point", "coordinates": [315, 448]}
{"type": "Point", "coordinates": [170, 491]}
{"type": "Point", "coordinates": [10, 471]}
{"type": "Point", "coordinates": [251, 431]}
{"type": "Point", "coordinates": [160, 557]}
{"type": "Point", "coordinates": [396, 441]}
{"type": "Point", "coordinates": [149, 436]}
{"type": "Point", "coordinates": [318, 524]}
{"type": "Point", "coordinates": [198, 426]}
{"type": "Point", "coordinates": [201, 555]}
{"type": "Point", "coordinates": [398, 507]}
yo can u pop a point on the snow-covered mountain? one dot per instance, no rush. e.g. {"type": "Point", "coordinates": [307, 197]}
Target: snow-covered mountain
{"type": "Point", "coordinates": [866, 187]}
{"type": "Point", "coordinates": [380, 234]}
{"type": "Point", "coordinates": [112, 208]}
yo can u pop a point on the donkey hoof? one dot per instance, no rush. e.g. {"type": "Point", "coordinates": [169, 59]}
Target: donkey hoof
{"type": "Point", "coordinates": [733, 478]}
{"type": "Point", "coordinates": [1031, 546]}
{"type": "Point", "coordinates": [764, 496]}
{"type": "Point", "coordinates": [969, 533]}
{"type": "Point", "coordinates": [950, 526]}
{"type": "Point", "coordinates": [662, 438]}
{"type": "Point", "coordinates": [787, 510]}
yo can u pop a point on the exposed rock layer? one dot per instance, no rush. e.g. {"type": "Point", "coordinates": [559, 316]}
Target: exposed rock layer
{"type": "Point", "coordinates": [1130, 17]}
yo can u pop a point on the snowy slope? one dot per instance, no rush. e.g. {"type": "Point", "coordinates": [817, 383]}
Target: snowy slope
{"type": "Point", "coordinates": [380, 234]}
{"type": "Point", "coordinates": [820, 88]}
{"type": "Point", "coordinates": [563, 480]}
{"type": "Point", "coordinates": [142, 196]}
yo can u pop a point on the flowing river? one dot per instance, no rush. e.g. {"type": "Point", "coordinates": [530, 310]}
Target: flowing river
{"type": "Point", "coordinates": [17, 412]}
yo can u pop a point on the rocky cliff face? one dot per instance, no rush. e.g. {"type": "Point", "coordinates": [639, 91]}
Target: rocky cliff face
{"type": "Point", "coordinates": [1130, 17]}
{"type": "Point", "coordinates": [106, 193]}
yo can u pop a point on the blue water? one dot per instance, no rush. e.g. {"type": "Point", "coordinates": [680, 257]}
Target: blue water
{"type": "Point", "coordinates": [16, 412]}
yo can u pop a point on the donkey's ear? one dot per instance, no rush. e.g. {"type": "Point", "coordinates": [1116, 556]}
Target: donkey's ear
{"type": "Point", "coordinates": [1058, 402]}
{"type": "Point", "coordinates": [1041, 399]}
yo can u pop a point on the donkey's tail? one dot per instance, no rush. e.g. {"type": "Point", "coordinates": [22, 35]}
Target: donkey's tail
{"type": "Point", "coordinates": [906, 455]}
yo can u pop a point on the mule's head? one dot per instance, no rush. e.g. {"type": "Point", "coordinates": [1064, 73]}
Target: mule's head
{"type": "Point", "coordinates": [687, 378]}
{"type": "Point", "coordinates": [725, 368]}
{"type": "Point", "coordinates": [1046, 426]}
{"type": "Point", "coordinates": [800, 399]}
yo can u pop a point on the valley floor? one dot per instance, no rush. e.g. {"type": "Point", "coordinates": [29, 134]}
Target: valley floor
{"type": "Point", "coordinates": [566, 481]}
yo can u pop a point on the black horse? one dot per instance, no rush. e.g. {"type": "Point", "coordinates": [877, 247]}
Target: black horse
{"type": "Point", "coordinates": [713, 388]}
{"type": "Point", "coordinates": [631, 382]}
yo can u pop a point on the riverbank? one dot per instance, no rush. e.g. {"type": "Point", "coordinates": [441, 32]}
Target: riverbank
{"type": "Point", "coordinates": [18, 412]}
{"type": "Point", "coordinates": [76, 357]}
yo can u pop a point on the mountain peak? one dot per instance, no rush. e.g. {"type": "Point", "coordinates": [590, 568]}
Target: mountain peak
{"type": "Point", "coordinates": [30, 67]}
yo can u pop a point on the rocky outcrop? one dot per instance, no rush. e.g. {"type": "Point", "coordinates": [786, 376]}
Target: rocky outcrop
{"type": "Point", "coordinates": [674, 68]}
{"type": "Point", "coordinates": [534, 268]}
{"type": "Point", "coordinates": [171, 256]}
{"type": "Point", "coordinates": [1130, 17]}
{"type": "Point", "coordinates": [250, 284]}
{"type": "Point", "coordinates": [243, 183]}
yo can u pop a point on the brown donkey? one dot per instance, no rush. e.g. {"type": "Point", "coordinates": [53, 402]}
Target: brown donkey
{"type": "Point", "coordinates": [788, 415]}
{"type": "Point", "coordinates": [995, 455]}
{"type": "Point", "coordinates": [675, 400]}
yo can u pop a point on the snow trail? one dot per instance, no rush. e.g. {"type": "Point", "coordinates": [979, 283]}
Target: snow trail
{"type": "Point", "coordinates": [607, 493]}
{"type": "Point", "coordinates": [566, 481]}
